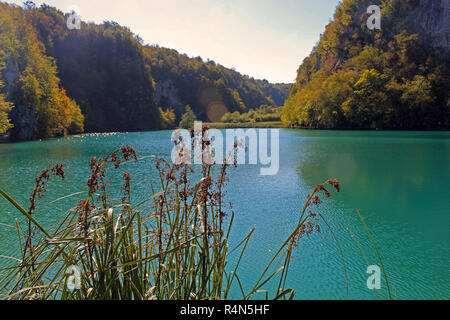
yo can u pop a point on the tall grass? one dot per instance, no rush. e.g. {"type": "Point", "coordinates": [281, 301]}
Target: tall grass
{"type": "Point", "coordinates": [172, 246]}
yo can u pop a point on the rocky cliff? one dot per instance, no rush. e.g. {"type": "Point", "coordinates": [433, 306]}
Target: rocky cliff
{"type": "Point", "coordinates": [22, 115]}
{"type": "Point", "coordinates": [432, 18]}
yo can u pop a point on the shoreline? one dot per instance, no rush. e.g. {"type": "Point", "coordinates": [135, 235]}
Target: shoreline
{"type": "Point", "coordinates": [221, 125]}
{"type": "Point", "coordinates": [246, 125]}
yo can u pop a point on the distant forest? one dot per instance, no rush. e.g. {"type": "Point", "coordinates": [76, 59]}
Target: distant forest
{"type": "Point", "coordinates": [102, 78]}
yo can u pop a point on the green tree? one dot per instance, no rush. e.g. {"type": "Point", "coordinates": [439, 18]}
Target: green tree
{"type": "Point", "coordinates": [168, 118]}
{"type": "Point", "coordinates": [227, 118]}
{"type": "Point", "coordinates": [418, 95]}
{"type": "Point", "coordinates": [188, 119]}
{"type": "Point", "coordinates": [367, 104]}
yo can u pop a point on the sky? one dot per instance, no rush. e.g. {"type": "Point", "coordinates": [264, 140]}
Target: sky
{"type": "Point", "coordinates": [266, 39]}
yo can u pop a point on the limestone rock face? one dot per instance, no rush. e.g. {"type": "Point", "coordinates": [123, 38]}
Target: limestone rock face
{"type": "Point", "coordinates": [433, 18]}
{"type": "Point", "coordinates": [24, 124]}
{"type": "Point", "coordinates": [430, 19]}
{"type": "Point", "coordinates": [22, 116]}
{"type": "Point", "coordinates": [166, 95]}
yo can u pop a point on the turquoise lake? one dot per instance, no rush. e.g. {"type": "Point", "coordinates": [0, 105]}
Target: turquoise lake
{"type": "Point", "coordinates": [399, 181]}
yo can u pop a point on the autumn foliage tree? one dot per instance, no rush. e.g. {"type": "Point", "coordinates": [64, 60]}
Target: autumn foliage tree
{"type": "Point", "coordinates": [32, 82]}
{"type": "Point", "coordinates": [188, 119]}
{"type": "Point", "coordinates": [5, 106]}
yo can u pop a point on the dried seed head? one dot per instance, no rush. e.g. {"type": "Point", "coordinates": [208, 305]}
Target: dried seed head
{"type": "Point", "coordinates": [335, 184]}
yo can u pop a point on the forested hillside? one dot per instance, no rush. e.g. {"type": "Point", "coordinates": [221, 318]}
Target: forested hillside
{"type": "Point", "coordinates": [101, 78]}
{"type": "Point", "coordinates": [102, 67]}
{"type": "Point", "coordinates": [393, 78]}
{"type": "Point", "coordinates": [29, 84]}
{"type": "Point", "coordinates": [211, 89]}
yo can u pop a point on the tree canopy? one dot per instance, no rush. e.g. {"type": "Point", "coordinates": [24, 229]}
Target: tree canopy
{"type": "Point", "coordinates": [188, 119]}
{"type": "Point", "coordinates": [356, 78]}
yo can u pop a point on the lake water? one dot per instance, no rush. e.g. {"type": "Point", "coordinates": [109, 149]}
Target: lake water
{"type": "Point", "coordinates": [398, 180]}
